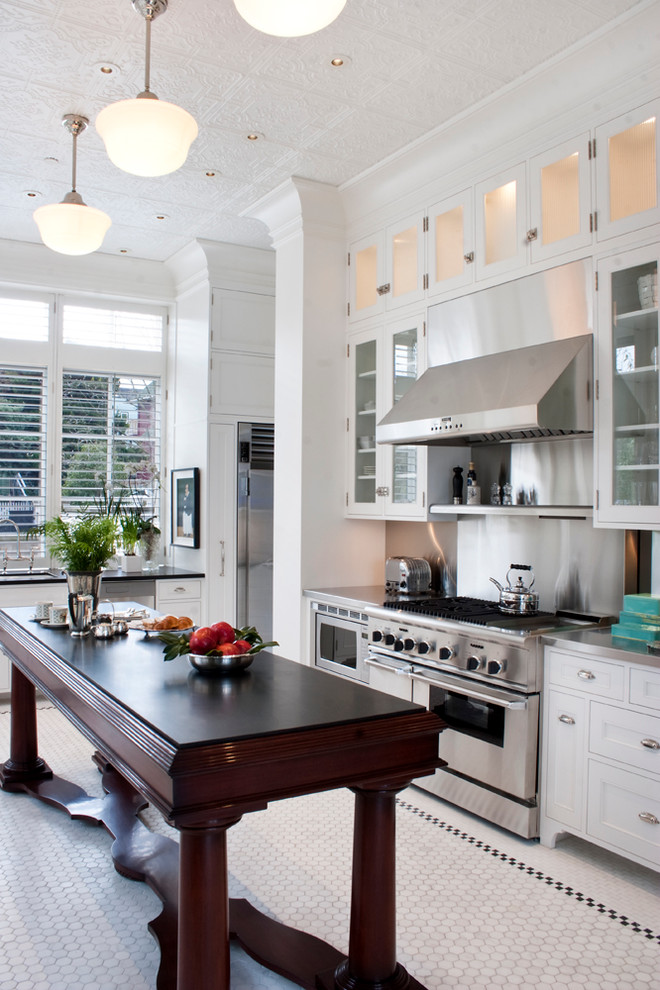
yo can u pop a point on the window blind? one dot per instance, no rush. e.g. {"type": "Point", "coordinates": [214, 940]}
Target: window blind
{"type": "Point", "coordinates": [22, 449]}
{"type": "Point", "coordinates": [126, 330]}
{"type": "Point", "coordinates": [24, 319]}
{"type": "Point", "coordinates": [111, 437]}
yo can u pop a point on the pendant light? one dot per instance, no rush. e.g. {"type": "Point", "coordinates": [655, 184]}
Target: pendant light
{"type": "Point", "coordinates": [147, 136]}
{"type": "Point", "coordinates": [71, 227]}
{"type": "Point", "coordinates": [289, 18]}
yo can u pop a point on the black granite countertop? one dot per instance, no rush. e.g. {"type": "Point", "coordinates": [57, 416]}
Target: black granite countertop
{"type": "Point", "coordinates": [43, 576]}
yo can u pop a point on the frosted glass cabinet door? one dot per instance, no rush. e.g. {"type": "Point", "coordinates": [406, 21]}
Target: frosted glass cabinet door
{"type": "Point", "coordinates": [560, 199]}
{"type": "Point", "coordinates": [363, 355]}
{"type": "Point", "coordinates": [628, 191]}
{"type": "Point", "coordinates": [405, 263]}
{"type": "Point", "coordinates": [451, 243]}
{"type": "Point", "coordinates": [501, 230]}
{"type": "Point", "coordinates": [366, 276]}
{"type": "Point", "coordinates": [629, 392]}
{"type": "Point", "coordinates": [405, 463]}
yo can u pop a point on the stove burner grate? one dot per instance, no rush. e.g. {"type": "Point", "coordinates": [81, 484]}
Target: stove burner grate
{"type": "Point", "coordinates": [473, 610]}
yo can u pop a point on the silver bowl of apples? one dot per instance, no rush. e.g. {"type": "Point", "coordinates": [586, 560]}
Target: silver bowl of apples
{"type": "Point", "coordinates": [216, 649]}
{"type": "Point", "coordinates": [211, 663]}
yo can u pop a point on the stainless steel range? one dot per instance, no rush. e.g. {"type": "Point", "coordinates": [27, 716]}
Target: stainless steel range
{"type": "Point", "coordinates": [481, 670]}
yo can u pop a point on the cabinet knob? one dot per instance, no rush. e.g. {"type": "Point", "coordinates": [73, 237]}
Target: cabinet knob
{"type": "Point", "coordinates": [648, 816]}
{"type": "Point", "coordinates": [468, 258]}
{"type": "Point", "coordinates": [382, 290]}
{"type": "Point", "coordinates": [651, 743]}
{"type": "Point", "coordinates": [532, 234]}
{"type": "Point", "coordinates": [567, 719]}
{"type": "Point", "coordinates": [383, 490]}
{"type": "Point", "coordinates": [586, 675]}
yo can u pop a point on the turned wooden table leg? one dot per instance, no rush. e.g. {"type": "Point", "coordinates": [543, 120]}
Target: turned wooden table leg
{"type": "Point", "coordinates": [371, 961]}
{"type": "Point", "coordinates": [203, 936]}
{"type": "Point", "coordinates": [24, 763]}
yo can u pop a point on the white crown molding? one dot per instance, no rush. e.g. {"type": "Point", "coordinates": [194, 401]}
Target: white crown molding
{"type": "Point", "coordinates": [587, 84]}
{"type": "Point", "coordinates": [300, 205]}
{"type": "Point", "coordinates": [24, 264]}
{"type": "Point", "coordinates": [220, 265]}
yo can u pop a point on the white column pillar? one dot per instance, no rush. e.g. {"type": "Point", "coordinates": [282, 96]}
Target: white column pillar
{"type": "Point", "coordinates": [314, 546]}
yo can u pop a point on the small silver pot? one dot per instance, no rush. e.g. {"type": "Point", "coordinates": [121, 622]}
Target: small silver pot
{"type": "Point", "coordinates": [519, 599]}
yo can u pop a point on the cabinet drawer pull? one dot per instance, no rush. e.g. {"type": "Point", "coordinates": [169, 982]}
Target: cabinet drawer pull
{"type": "Point", "coordinates": [179, 590]}
{"type": "Point", "coordinates": [648, 816]}
{"type": "Point", "coordinates": [651, 743]}
{"type": "Point", "coordinates": [567, 719]}
{"type": "Point", "coordinates": [586, 675]}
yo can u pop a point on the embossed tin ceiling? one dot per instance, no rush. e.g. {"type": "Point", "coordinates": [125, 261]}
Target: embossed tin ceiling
{"type": "Point", "coordinates": [412, 65]}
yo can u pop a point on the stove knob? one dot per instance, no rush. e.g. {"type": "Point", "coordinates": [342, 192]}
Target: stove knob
{"type": "Point", "coordinates": [495, 666]}
{"type": "Point", "coordinates": [423, 647]}
{"type": "Point", "coordinates": [474, 663]}
{"type": "Point", "coordinates": [389, 639]}
{"type": "Point", "coordinates": [398, 645]}
{"type": "Point", "coordinates": [445, 653]}
{"type": "Point", "coordinates": [408, 644]}
{"type": "Point", "coordinates": [376, 636]}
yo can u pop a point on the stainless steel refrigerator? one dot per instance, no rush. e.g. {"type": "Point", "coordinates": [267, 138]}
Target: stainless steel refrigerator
{"type": "Point", "coordinates": [254, 592]}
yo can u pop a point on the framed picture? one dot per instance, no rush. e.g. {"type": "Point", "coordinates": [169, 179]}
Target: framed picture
{"type": "Point", "coordinates": [185, 507]}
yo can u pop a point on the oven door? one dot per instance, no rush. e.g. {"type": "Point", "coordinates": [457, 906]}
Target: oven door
{"type": "Point", "coordinates": [492, 733]}
{"type": "Point", "coordinates": [341, 646]}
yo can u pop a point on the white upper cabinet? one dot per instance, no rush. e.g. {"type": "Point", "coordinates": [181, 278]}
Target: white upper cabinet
{"type": "Point", "coordinates": [501, 228]}
{"type": "Point", "coordinates": [561, 217]}
{"type": "Point", "coordinates": [384, 481]}
{"type": "Point", "coordinates": [367, 284]}
{"type": "Point", "coordinates": [405, 243]}
{"type": "Point", "coordinates": [628, 397]}
{"type": "Point", "coordinates": [451, 243]}
{"type": "Point", "coordinates": [387, 270]}
{"type": "Point", "coordinates": [627, 188]}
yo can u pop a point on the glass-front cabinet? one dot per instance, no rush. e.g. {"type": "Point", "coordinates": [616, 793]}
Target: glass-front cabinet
{"type": "Point", "coordinates": [627, 177]}
{"type": "Point", "coordinates": [501, 229]}
{"type": "Point", "coordinates": [384, 481]}
{"type": "Point", "coordinates": [628, 472]}
{"type": "Point", "coordinates": [560, 199]}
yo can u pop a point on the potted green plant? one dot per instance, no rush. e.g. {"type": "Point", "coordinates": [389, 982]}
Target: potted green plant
{"type": "Point", "coordinates": [83, 546]}
{"type": "Point", "coordinates": [131, 525]}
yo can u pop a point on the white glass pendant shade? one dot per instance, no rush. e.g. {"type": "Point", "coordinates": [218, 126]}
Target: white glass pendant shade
{"type": "Point", "coordinates": [72, 228]}
{"type": "Point", "coordinates": [146, 137]}
{"type": "Point", "coordinates": [289, 18]}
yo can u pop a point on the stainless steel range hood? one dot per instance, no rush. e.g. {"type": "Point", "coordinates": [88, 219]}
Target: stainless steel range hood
{"type": "Point", "coordinates": [528, 393]}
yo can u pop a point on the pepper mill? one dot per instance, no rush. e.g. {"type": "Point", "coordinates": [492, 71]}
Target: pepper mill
{"type": "Point", "coordinates": [457, 485]}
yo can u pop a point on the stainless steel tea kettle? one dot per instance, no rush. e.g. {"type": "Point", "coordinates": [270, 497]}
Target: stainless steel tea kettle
{"type": "Point", "coordinates": [519, 599]}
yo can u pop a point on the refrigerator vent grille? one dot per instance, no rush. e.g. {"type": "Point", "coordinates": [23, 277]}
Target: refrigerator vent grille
{"type": "Point", "coordinates": [263, 446]}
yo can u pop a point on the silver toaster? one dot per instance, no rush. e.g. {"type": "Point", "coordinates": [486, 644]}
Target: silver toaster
{"type": "Point", "coordinates": [407, 575]}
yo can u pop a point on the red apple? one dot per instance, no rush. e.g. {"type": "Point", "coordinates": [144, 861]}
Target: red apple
{"type": "Point", "coordinates": [202, 640]}
{"type": "Point", "coordinates": [243, 645]}
{"type": "Point", "coordinates": [223, 632]}
{"type": "Point", "coordinates": [227, 649]}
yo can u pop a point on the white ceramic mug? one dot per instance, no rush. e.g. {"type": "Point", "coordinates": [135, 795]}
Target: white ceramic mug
{"type": "Point", "coordinates": [42, 610]}
{"type": "Point", "coordinates": [58, 614]}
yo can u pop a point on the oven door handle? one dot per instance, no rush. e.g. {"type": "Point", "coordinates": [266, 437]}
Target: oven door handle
{"type": "Point", "coordinates": [401, 671]}
{"type": "Point", "coordinates": [458, 685]}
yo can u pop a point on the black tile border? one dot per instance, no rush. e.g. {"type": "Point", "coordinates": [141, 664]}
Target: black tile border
{"type": "Point", "coordinates": [622, 919]}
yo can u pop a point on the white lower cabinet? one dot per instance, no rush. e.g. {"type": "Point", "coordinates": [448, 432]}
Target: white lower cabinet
{"type": "Point", "coordinates": [600, 772]}
{"type": "Point", "coordinates": [180, 597]}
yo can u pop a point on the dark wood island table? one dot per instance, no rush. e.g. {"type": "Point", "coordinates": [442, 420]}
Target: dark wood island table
{"type": "Point", "coordinates": [204, 751]}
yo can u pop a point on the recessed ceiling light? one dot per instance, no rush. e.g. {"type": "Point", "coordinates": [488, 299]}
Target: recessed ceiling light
{"type": "Point", "coordinates": [211, 173]}
{"type": "Point", "coordinates": [254, 136]}
{"type": "Point", "coordinates": [52, 160]}
{"type": "Point", "coordinates": [32, 193]}
{"type": "Point", "coordinates": [338, 60]}
{"type": "Point", "coordinates": [107, 68]}
{"type": "Point", "coordinates": [161, 216]}
{"type": "Point", "coordinates": [124, 250]}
